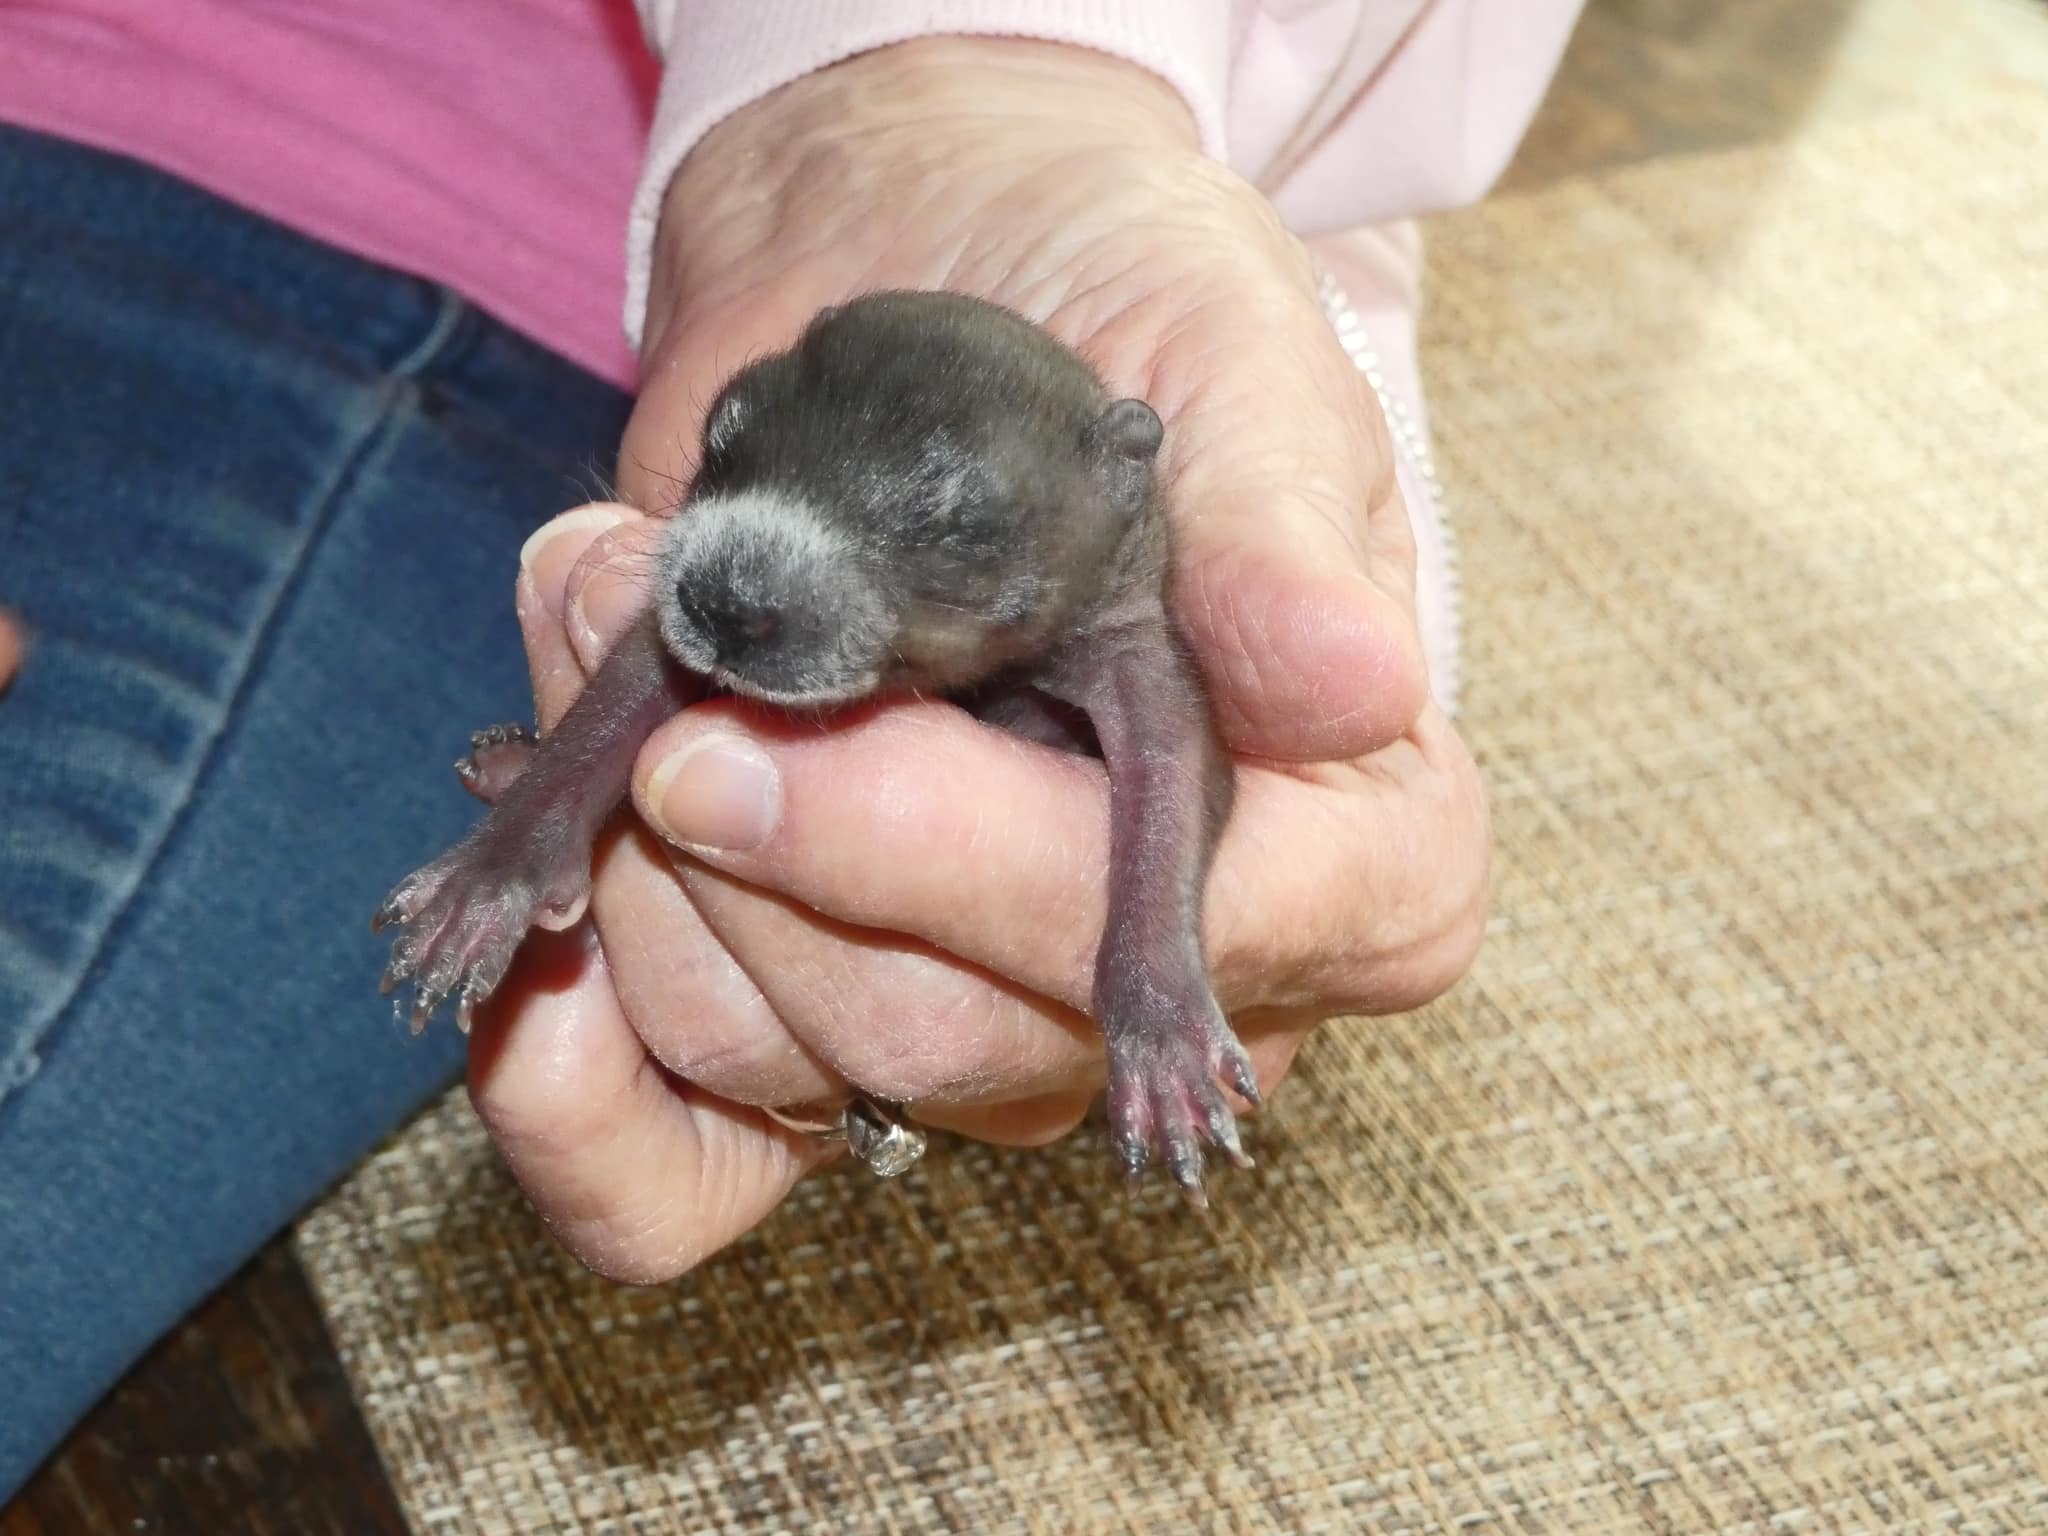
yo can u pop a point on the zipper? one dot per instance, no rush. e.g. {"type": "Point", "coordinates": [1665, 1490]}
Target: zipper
{"type": "Point", "coordinates": [1411, 446]}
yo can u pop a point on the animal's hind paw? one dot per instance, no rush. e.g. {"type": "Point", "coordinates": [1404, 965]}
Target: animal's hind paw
{"type": "Point", "coordinates": [1163, 1094]}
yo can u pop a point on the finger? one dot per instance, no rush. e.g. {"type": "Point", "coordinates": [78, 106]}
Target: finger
{"type": "Point", "coordinates": [585, 582]}
{"type": "Point", "coordinates": [1381, 886]}
{"type": "Point", "coordinates": [893, 1016]}
{"type": "Point", "coordinates": [607, 588]}
{"type": "Point", "coordinates": [906, 1022]}
{"type": "Point", "coordinates": [693, 1009]}
{"type": "Point", "coordinates": [1295, 574]}
{"type": "Point", "coordinates": [549, 556]}
{"type": "Point", "coordinates": [639, 1176]}
{"type": "Point", "coordinates": [1271, 1038]}
{"type": "Point", "coordinates": [1024, 1123]}
{"type": "Point", "coordinates": [1303, 664]}
{"type": "Point", "coordinates": [694, 1005]}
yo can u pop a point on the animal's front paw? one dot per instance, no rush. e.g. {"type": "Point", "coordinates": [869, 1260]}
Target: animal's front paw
{"type": "Point", "coordinates": [462, 918]}
{"type": "Point", "coordinates": [1164, 1063]}
{"type": "Point", "coordinates": [498, 754]}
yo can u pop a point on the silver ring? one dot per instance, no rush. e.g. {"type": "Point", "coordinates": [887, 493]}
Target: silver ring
{"type": "Point", "coordinates": [879, 1133]}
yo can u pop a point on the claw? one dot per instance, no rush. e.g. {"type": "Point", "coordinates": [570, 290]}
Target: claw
{"type": "Point", "coordinates": [425, 1000]}
{"type": "Point", "coordinates": [465, 1008]}
{"type": "Point", "coordinates": [1165, 1097]}
{"type": "Point", "coordinates": [1133, 1152]}
{"type": "Point", "coordinates": [432, 983]}
{"type": "Point", "coordinates": [1221, 1125]}
{"type": "Point", "coordinates": [1237, 1071]}
{"type": "Point", "coordinates": [402, 905]}
{"type": "Point", "coordinates": [400, 1014]}
{"type": "Point", "coordinates": [404, 956]}
{"type": "Point", "coordinates": [1223, 1131]}
{"type": "Point", "coordinates": [1184, 1160]}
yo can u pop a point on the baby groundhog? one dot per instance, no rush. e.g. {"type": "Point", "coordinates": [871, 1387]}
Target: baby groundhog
{"type": "Point", "coordinates": [926, 493]}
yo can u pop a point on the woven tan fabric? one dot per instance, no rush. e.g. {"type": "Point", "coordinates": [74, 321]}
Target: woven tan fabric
{"type": "Point", "coordinates": [1715, 1201]}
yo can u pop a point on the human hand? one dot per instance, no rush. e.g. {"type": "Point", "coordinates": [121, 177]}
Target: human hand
{"type": "Point", "coordinates": [849, 929]}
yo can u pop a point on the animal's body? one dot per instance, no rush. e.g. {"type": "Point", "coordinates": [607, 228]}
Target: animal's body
{"type": "Point", "coordinates": [926, 493]}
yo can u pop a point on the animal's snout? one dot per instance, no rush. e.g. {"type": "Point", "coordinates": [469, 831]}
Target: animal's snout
{"type": "Point", "coordinates": [735, 627]}
{"type": "Point", "coordinates": [768, 597]}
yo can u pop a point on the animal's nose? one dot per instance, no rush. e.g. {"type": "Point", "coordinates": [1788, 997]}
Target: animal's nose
{"type": "Point", "coordinates": [739, 628]}
{"type": "Point", "coordinates": [732, 625]}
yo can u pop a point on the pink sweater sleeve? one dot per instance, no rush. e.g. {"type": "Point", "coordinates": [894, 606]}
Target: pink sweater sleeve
{"type": "Point", "coordinates": [1343, 111]}
{"type": "Point", "coordinates": [1349, 112]}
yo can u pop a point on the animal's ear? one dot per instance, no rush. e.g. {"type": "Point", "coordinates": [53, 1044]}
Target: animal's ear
{"type": "Point", "coordinates": [1129, 429]}
{"type": "Point", "coordinates": [1124, 440]}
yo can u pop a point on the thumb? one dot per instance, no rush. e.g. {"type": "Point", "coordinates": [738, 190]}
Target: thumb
{"type": "Point", "coordinates": [1306, 660]}
{"type": "Point", "coordinates": [1295, 561]}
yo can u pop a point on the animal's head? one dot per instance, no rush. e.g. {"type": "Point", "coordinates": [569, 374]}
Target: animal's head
{"type": "Point", "coordinates": [893, 502]}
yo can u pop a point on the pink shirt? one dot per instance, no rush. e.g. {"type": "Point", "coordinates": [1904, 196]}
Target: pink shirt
{"type": "Point", "coordinates": [503, 146]}
{"type": "Point", "coordinates": [517, 150]}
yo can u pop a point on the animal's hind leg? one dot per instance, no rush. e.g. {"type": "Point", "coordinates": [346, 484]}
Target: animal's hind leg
{"type": "Point", "coordinates": [1169, 791]}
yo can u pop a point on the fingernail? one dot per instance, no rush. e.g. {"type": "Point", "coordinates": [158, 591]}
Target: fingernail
{"type": "Point", "coordinates": [720, 791]}
{"type": "Point", "coordinates": [548, 555]}
{"type": "Point", "coordinates": [601, 607]}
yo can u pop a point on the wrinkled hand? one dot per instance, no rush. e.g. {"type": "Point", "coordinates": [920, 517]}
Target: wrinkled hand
{"type": "Point", "coordinates": [910, 902]}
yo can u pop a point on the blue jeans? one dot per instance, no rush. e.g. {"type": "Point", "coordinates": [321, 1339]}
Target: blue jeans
{"type": "Point", "coordinates": [260, 506]}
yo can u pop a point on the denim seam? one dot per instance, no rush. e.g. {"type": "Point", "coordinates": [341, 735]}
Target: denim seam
{"type": "Point", "coordinates": [448, 319]}
{"type": "Point", "coordinates": [358, 451]}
